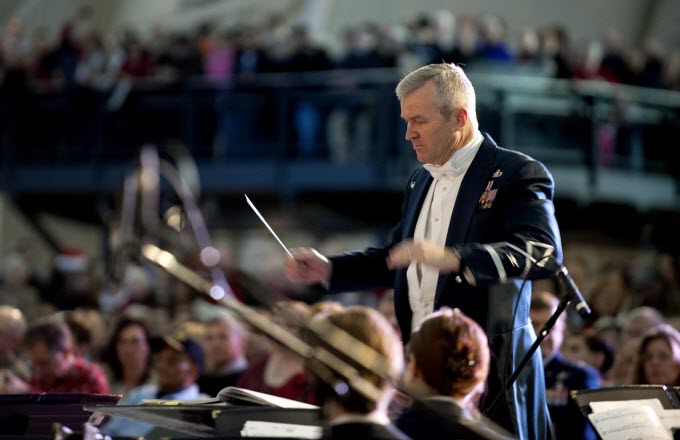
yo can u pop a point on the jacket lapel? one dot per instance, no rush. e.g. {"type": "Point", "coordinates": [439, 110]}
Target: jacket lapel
{"type": "Point", "coordinates": [420, 184]}
{"type": "Point", "coordinates": [471, 189]}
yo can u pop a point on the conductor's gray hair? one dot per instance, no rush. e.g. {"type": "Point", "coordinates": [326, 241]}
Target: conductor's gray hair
{"type": "Point", "coordinates": [453, 88]}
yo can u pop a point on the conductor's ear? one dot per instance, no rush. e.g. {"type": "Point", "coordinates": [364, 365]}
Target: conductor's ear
{"type": "Point", "coordinates": [461, 118]}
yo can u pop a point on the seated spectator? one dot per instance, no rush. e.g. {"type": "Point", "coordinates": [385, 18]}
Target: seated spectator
{"type": "Point", "coordinates": [135, 289]}
{"type": "Point", "coordinates": [624, 363]}
{"type": "Point", "coordinates": [72, 282]}
{"type": "Point", "coordinates": [88, 330]}
{"type": "Point", "coordinates": [82, 338]}
{"type": "Point", "coordinates": [224, 354]}
{"type": "Point", "coordinates": [574, 347]}
{"type": "Point", "coordinates": [177, 362]}
{"type": "Point", "coordinates": [446, 371]}
{"type": "Point", "coordinates": [54, 366]}
{"type": "Point", "coordinates": [609, 330]}
{"type": "Point", "coordinates": [658, 360]}
{"type": "Point", "coordinates": [601, 355]}
{"type": "Point", "coordinates": [15, 289]}
{"type": "Point", "coordinates": [561, 376]}
{"type": "Point", "coordinates": [610, 294]}
{"type": "Point", "coordinates": [281, 373]}
{"type": "Point", "coordinates": [352, 415]}
{"type": "Point", "coordinates": [589, 349]}
{"type": "Point", "coordinates": [12, 330]}
{"type": "Point", "coordinates": [128, 355]}
{"type": "Point", "coordinates": [641, 319]}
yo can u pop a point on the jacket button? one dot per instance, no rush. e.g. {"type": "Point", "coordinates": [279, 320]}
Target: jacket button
{"type": "Point", "coordinates": [458, 279]}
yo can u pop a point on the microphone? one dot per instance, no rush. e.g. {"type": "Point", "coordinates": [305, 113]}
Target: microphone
{"type": "Point", "coordinates": [570, 288]}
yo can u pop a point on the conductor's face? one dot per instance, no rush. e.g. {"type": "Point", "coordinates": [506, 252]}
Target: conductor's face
{"type": "Point", "coordinates": [432, 135]}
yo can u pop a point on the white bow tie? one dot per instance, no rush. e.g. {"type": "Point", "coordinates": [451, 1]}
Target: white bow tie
{"type": "Point", "coordinates": [439, 171]}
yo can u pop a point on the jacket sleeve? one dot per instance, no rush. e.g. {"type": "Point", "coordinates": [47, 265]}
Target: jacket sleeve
{"type": "Point", "coordinates": [530, 244]}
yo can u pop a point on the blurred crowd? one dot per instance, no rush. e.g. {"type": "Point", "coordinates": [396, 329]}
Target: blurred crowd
{"type": "Point", "coordinates": [99, 96]}
{"type": "Point", "coordinates": [80, 54]}
{"type": "Point", "coordinates": [75, 327]}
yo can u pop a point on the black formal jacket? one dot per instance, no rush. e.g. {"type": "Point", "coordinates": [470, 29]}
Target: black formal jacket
{"type": "Point", "coordinates": [493, 229]}
{"type": "Point", "coordinates": [437, 419]}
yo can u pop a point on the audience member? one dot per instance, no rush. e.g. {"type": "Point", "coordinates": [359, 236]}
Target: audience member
{"type": "Point", "coordinates": [656, 281]}
{"type": "Point", "coordinates": [257, 345]}
{"type": "Point", "coordinates": [352, 415]}
{"type": "Point", "coordinates": [561, 376]}
{"type": "Point", "coordinates": [15, 289]}
{"type": "Point", "coordinates": [446, 370]}
{"type": "Point", "coordinates": [225, 359]}
{"type": "Point", "coordinates": [177, 363]}
{"type": "Point", "coordinates": [608, 329]}
{"type": "Point", "coordinates": [135, 288]}
{"type": "Point", "coordinates": [88, 330]}
{"type": "Point", "coordinates": [624, 363]}
{"type": "Point", "coordinates": [640, 319]}
{"type": "Point", "coordinates": [586, 348]}
{"type": "Point", "coordinates": [658, 360]}
{"type": "Point", "coordinates": [574, 347]}
{"type": "Point", "coordinates": [601, 355]}
{"type": "Point", "coordinates": [82, 338]}
{"type": "Point", "coordinates": [72, 282]}
{"type": "Point", "coordinates": [610, 295]}
{"type": "Point", "coordinates": [128, 355]}
{"type": "Point", "coordinates": [12, 330]}
{"type": "Point", "coordinates": [54, 366]}
{"type": "Point", "coordinates": [281, 373]}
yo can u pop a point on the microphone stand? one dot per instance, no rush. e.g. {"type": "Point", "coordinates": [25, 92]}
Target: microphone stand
{"type": "Point", "coordinates": [542, 334]}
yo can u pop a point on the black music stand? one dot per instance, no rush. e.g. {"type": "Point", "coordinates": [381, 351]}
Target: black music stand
{"type": "Point", "coordinates": [675, 396]}
{"type": "Point", "coordinates": [667, 396]}
{"type": "Point", "coordinates": [36, 414]}
{"type": "Point", "coordinates": [207, 420]}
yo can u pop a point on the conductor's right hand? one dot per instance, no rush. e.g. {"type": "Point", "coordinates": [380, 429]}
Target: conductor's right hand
{"type": "Point", "coordinates": [308, 266]}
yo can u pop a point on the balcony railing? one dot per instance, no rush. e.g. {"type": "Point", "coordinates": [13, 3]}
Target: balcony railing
{"type": "Point", "coordinates": [337, 129]}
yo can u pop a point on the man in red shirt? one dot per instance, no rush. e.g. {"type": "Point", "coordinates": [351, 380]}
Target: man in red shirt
{"type": "Point", "coordinates": [54, 366]}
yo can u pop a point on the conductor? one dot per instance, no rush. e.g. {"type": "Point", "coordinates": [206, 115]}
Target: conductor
{"type": "Point", "coordinates": [476, 220]}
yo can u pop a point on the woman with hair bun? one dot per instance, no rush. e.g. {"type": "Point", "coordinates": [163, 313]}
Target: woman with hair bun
{"type": "Point", "coordinates": [446, 371]}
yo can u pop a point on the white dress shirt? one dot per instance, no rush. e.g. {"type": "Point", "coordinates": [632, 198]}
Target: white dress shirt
{"type": "Point", "coordinates": [433, 225]}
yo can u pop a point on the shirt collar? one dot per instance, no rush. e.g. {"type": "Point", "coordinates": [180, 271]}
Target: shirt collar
{"type": "Point", "coordinates": [460, 160]}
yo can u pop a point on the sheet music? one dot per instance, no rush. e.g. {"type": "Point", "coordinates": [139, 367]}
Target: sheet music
{"type": "Point", "coordinates": [629, 423]}
{"type": "Point", "coordinates": [288, 430]}
{"type": "Point", "coordinates": [655, 404]}
{"type": "Point", "coordinates": [262, 398]}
